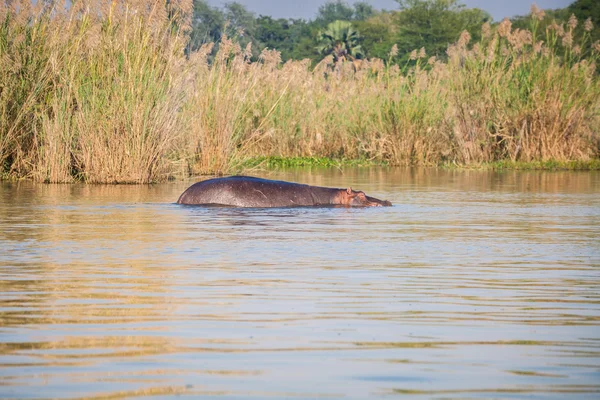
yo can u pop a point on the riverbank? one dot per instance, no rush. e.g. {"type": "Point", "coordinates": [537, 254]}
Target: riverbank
{"type": "Point", "coordinates": [551, 165]}
{"type": "Point", "coordinates": [109, 95]}
{"type": "Point", "coordinates": [273, 163]}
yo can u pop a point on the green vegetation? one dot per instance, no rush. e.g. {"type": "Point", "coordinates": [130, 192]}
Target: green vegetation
{"type": "Point", "coordinates": [550, 165]}
{"type": "Point", "coordinates": [296, 162]}
{"type": "Point", "coordinates": [432, 25]}
{"type": "Point", "coordinates": [340, 40]}
{"type": "Point", "coordinates": [126, 92]}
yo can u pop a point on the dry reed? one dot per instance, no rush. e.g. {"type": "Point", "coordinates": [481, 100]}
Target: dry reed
{"type": "Point", "coordinates": [103, 92]}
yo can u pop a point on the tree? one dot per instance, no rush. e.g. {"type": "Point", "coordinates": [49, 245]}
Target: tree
{"type": "Point", "coordinates": [286, 36]}
{"type": "Point", "coordinates": [434, 24]}
{"type": "Point", "coordinates": [363, 11]}
{"type": "Point", "coordinates": [273, 33]}
{"type": "Point", "coordinates": [305, 38]}
{"type": "Point", "coordinates": [340, 10]}
{"type": "Point", "coordinates": [241, 23]}
{"type": "Point", "coordinates": [584, 9]}
{"type": "Point", "coordinates": [207, 24]}
{"type": "Point", "coordinates": [583, 34]}
{"type": "Point", "coordinates": [379, 34]}
{"type": "Point", "coordinates": [340, 39]}
{"type": "Point", "coordinates": [333, 11]}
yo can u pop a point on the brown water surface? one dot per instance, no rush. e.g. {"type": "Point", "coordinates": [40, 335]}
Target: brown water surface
{"type": "Point", "coordinates": [473, 285]}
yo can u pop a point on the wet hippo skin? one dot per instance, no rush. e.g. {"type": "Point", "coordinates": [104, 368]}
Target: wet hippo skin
{"type": "Point", "coordinates": [246, 191]}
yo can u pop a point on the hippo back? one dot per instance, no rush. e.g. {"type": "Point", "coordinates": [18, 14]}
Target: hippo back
{"type": "Point", "coordinates": [243, 191]}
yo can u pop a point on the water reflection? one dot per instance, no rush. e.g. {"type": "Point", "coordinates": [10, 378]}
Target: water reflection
{"type": "Point", "coordinates": [474, 285]}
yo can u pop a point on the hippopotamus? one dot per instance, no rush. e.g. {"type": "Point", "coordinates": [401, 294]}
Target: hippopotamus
{"type": "Point", "coordinates": [246, 191]}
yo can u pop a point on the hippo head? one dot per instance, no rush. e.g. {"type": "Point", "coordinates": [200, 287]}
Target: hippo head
{"type": "Point", "coordinates": [353, 198]}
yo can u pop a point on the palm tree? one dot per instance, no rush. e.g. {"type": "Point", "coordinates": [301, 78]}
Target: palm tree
{"type": "Point", "coordinates": [340, 40]}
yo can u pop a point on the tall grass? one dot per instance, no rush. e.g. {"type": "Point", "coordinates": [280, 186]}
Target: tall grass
{"type": "Point", "coordinates": [90, 91]}
{"type": "Point", "coordinates": [103, 92]}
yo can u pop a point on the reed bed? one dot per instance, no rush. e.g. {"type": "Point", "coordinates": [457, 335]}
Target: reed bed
{"type": "Point", "coordinates": [104, 92]}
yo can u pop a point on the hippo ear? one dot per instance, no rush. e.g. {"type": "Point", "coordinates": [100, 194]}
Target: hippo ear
{"type": "Point", "coordinates": [349, 190]}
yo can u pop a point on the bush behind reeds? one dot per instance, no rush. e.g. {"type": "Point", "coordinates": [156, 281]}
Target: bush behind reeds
{"type": "Point", "coordinates": [103, 92]}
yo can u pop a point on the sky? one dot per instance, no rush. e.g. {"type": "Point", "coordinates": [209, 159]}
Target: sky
{"type": "Point", "coordinates": [308, 8]}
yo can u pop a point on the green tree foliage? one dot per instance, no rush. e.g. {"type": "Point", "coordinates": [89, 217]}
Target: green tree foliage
{"type": "Point", "coordinates": [334, 11]}
{"type": "Point", "coordinates": [363, 11]}
{"type": "Point", "coordinates": [292, 37]}
{"type": "Point", "coordinates": [434, 24]}
{"type": "Point", "coordinates": [428, 24]}
{"type": "Point", "coordinates": [341, 40]}
{"type": "Point", "coordinates": [584, 9]}
{"type": "Point", "coordinates": [207, 24]}
{"type": "Point", "coordinates": [340, 11]}
{"type": "Point", "coordinates": [584, 28]}
{"type": "Point", "coordinates": [550, 16]}
{"type": "Point", "coordinates": [274, 33]}
{"type": "Point", "coordinates": [379, 34]}
{"type": "Point", "coordinates": [241, 23]}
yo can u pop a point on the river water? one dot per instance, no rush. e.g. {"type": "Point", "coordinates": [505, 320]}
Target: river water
{"type": "Point", "coordinates": [473, 285]}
